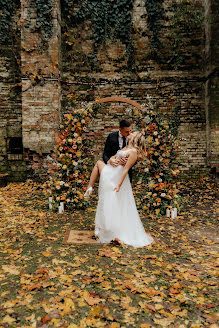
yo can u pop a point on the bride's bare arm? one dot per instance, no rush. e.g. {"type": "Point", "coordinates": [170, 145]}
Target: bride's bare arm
{"type": "Point", "coordinates": [130, 162]}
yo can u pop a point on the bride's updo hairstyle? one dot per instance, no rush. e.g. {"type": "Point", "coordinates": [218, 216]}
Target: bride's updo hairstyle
{"type": "Point", "coordinates": [137, 140]}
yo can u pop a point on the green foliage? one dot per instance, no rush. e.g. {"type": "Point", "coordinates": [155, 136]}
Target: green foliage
{"type": "Point", "coordinates": [6, 11]}
{"type": "Point", "coordinates": [44, 20]}
{"type": "Point", "coordinates": [155, 13]}
{"type": "Point", "coordinates": [110, 20]}
{"type": "Point", "coordinates": [186, 25]}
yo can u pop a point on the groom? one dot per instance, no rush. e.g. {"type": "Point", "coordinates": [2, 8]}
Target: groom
{"type": "Point", "coordinates": [114, 142]}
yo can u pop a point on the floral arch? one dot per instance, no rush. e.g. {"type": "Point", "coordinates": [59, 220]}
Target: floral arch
{"type": "Point", "coordinates": [158, 172]}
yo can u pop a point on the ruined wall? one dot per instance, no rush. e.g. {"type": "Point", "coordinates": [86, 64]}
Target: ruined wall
{"type": "Point", "coordinates": [40, 85]}
{"type": "Point", "coordinates": [11, 153]}
{"type": "Point", "coordinates": [39, 76]}
{"type": "Point", "coordinates": [214, 88]}
{"type": "Point", "coordinates": [175, 78]}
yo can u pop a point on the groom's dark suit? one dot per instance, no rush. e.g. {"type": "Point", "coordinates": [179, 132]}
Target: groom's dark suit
{"type": "Point", "coordinates": [111, 148]}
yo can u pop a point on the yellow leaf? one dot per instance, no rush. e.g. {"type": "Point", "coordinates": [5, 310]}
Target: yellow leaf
{"type": "Point", "coordinates": [145, 325]}
{"type": "Point", "coordinates": [106, 285]}
{"type": "Point", "coordinates": [5, 293]}
{"type": "Point", "coordinates": [81, 302]}
{"type": "Point", "coordinates": [47, 254]}
{"type": "Point", "coordinates": [10, 269]}
{"type": "Point", "coordinates": [163, 322]}
{"type": "Point", "coordinates": [68, 306]}
{"type": "Point", "coordinates": [55, 322]}
{"type": "Point", "coordinates": [95, 311]}
{"type": "Point", "coordinates": [92, 300]}
{"type": "Point", "coordinates": [114, 325]}
{"type": "Point", "coordinates": [8, 319]}
{"type": "Point", "coordinates": [158, 306]}
{"type": "Point", "coordinates": [116, 249]}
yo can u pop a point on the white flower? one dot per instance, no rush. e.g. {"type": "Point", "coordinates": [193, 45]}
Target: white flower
{"type": "Point", "coordinates": [146, 169]}
{"type": "Point", "coordinates": [160, 180]}
{"type": "Point", "coordinates": [163, 194]}
{"type": "Point", "coordinates": [147, 119]}
{"type": "Point", "coordinates": [155, 133]}
{"type": "Point", "coordinates": [62, 183]}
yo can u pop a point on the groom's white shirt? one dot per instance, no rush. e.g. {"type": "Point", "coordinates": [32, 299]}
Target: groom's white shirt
{"type": "Point", "coordinates": [121, 140]}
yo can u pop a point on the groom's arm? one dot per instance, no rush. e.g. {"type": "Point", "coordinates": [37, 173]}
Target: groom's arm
{"type": "Point", "coordinates": [107, 150]}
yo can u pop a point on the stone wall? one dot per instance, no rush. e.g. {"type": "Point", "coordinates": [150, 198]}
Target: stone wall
{"type": "Point", "coordinates": [85, 80]}
{"type": "Point", "coordinates": [10, 101]}
{"type": "Point", "coordinates": [214, 88]}
{"type": "Point", "coordinates": [40, 88]}
{"type": "Point", "coordinates": [37, 79]}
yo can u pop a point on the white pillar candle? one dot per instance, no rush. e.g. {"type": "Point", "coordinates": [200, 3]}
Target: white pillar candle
{"type": "Point", "coordinates": [168, 213]}
{"type": "Point", "coordinates": [172, 213]}
{"type": "Point", "coordinates": [60, 209]}
{"type": "Point", "coordinates": [50, 203]}
{"type": "Point", "coordinates": [62, 206]}
{"type": "Point", "coordinates": [175, 212]}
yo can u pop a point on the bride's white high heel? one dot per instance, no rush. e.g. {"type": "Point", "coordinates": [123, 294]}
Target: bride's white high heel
{"type": "Point", "coordinates": [88, 193]}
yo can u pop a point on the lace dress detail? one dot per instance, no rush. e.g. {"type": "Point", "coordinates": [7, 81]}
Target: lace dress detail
{"type": "Point", "coordinates": [117, 215]}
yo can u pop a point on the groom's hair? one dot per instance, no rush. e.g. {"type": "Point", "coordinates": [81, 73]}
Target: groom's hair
{"type": "Point", "coordinates": [124, 124]}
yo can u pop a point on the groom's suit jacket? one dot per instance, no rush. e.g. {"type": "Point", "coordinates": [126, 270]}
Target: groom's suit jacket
{"type": "Point", "coordinates": [111, 148]}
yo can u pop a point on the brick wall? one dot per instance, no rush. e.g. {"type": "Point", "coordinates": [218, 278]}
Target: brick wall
{"type": "Point", "coordinates": [65, 65]}
{"type": "Point", "coordinates": [10, 100]}
{"type": "Point", "coordinates": [214, 88]}
{"type": "Point", "coordinates": [166, 85]}
{"type": "Point", "coordinates": [40, 87]}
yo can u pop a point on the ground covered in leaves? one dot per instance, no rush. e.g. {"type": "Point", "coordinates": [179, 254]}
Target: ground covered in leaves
{"type": "Point", "coordinates": [45, 283]}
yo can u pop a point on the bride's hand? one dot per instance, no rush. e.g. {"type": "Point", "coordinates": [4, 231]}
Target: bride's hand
{"type": "Point", "coordinates": [114, 162]}
{"type": "Point", "coordinates": [117, 188]}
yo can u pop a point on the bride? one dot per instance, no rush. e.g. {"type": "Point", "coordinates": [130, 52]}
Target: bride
{"type": "Point", "coordinates": [117, 217]}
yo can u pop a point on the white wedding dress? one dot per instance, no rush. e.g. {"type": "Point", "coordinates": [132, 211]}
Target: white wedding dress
{"type": "Point", "coordinates": [117, 215]}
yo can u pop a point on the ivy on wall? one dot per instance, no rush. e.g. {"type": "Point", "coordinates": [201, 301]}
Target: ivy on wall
{"type": "Point", "coordinates": [6, 12]}
{"type": "Point", "coordinates": [109, 20]}
{"type": "Point", "coordinates": [187, 23]}
{"type": "Point", "coordinates": [112, 20]}
{"type": "Point", "coordinates": [44, 19]}
{"type": "Point", "coordinates": [155, 13]}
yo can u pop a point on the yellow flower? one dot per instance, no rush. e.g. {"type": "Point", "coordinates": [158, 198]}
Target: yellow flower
{"type": "Point", "coordinates": [149, 139]}
{"type": "Point", "coordinates": [78, 153]}
{"type": "Point", "coordinates": [64, 167]}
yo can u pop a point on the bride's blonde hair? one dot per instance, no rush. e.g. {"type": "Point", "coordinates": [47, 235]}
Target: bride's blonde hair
{"type": "Point", "coordinates": [137, 140]}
